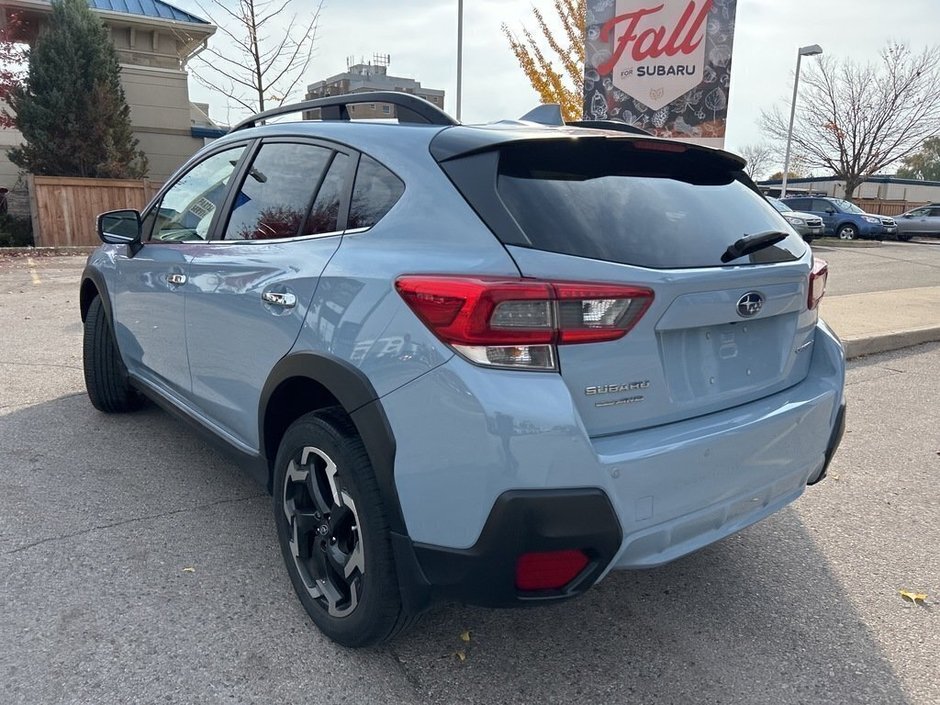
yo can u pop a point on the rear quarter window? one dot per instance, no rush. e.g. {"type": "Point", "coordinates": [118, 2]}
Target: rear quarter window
{"type": "Point", "coordinates": [611, 202]}
{"type": "Point", "coordinates": [375, 191]}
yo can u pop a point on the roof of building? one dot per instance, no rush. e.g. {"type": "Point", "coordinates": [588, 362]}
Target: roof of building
{"type": "Point", "coordinates": [147, 8]}
{"type": "Point", "coordinates": [873, 179]}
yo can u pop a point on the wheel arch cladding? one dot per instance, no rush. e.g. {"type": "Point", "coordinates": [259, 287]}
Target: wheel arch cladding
{"type": "Point", "coordinates": [92, 286]}
{"type": "Point", "coordinates": [305, 382]}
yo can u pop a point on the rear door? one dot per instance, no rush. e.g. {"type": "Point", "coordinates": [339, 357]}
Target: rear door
{"type": "Point", "coordinates": [933, 222]}
{"type": "Point", "coordinates": [717, 334]}
{"type": "Point", "coordinates": [250, 289]}
{"type": "Point", "coordinates": [822, 208]}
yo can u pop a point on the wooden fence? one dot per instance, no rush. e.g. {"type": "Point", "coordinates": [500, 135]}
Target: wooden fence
{"type": "Point", "coordinates": [880, 207]}
{"type": "Point", "coordinates": [65, 209]}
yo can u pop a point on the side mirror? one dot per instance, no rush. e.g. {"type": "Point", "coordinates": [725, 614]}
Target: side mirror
{"type": "Point", "coordinates": [831, 211]}
{"type": "Point", "coordinates": [908, 215]}
{"type": "Point", "coordinates": [121, 228]}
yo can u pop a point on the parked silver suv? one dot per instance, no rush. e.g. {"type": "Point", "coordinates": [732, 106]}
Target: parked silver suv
{"type": "Point", "coordinates": [920, 221]}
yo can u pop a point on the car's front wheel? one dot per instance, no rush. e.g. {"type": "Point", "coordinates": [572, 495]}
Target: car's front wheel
{"type": "Point", "coordinates": [106, 381]}
{"type": "Point", "coordinates": [848, 232]}
{"type": "Point", "coordinates": [333, 531]}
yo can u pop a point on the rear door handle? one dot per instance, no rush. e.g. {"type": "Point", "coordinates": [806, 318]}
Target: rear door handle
{"type": "Point", "coordinates": [176, 279]}
{"type": "Point", "coordinates": [276, 298]}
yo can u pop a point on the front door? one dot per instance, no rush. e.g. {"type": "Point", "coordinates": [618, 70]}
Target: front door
{"type": "Point", "coordinates": [150, 299]}
{"type": "Point", "coordinates": [250, 289]}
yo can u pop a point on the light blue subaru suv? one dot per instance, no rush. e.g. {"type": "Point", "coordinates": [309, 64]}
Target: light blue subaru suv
{"type": "Point", "coordinates": [478, 363]}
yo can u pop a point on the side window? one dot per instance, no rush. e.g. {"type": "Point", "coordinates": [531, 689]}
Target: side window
{"type": "Point", "coordinates": [934, 213]}
{"type": "Point", "coordinates": [375, 192]}
{"type": "Point", "coordinates": [186, 210]}
{"type": "Point", "coordinates": [275, 196]}
{"type": "Point", "coordinates": [822, 206]}
{"type": "Point", "coordinates": [324, 214]}
{"type": "Point", "coordinates": [800, 204]}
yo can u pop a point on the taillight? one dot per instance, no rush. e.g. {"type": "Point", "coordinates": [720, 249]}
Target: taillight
{"type": "Point", "coordinates": [517, 323]}
{"type": "Point", "coordinates": [817, 282]}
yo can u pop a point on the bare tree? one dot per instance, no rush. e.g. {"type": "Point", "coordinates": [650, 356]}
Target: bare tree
{"type": "Point", "coordinates": [268, 53]}
{"type": "Point", "coordinates": [858, 119]}
{"type": "Point", "coordinates": [759, 158]}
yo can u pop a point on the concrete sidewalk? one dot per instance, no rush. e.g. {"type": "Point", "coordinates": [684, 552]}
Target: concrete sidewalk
{"type": "Point", "coordinates": [884, 320]}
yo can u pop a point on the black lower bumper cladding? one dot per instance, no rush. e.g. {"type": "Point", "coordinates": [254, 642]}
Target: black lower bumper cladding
{"type": "Point", "coordinates": [835, 438]}
{"type": "Point", "coordinates": [521, 521]}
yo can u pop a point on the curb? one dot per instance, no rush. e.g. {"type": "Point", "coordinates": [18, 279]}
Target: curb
{"type": "Point", "coordinates": [836, 243]}
{"type": "Point", "coordinates": [886, 342]}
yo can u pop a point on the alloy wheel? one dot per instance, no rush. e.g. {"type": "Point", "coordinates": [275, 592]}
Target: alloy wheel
{"type": "Point", "coordinates": [324, 531]}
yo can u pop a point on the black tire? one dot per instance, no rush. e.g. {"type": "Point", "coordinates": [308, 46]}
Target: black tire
{"type": "Point", "coordinates": [904, 237]}
{"type": "Point", "coordinates": [344, 573]}
{"type": "Point", "coordinates": [847, 231]}
{"type": "Point", "coordinates": [106, 378]}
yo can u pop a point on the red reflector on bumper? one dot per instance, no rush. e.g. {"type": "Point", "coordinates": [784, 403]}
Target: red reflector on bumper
{"type": "Point", "coordinates": [549, 570]}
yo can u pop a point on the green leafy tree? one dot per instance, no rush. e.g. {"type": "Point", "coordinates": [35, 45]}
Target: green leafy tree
{"type": "Point", "coordinates": [923, 164]}
{"type": "Point", "coordinates": [71, 107]}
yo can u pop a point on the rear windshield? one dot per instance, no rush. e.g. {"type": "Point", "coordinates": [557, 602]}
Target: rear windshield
{"type": "Point", "coordinates": [607, 200]}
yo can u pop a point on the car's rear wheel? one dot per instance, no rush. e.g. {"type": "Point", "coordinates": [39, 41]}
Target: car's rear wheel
{"type": "Point", "coordinates": [334, 533]}
{"type": "Point", "coordinates": [106, 381]}
{"type": "Point", "coordinates": [848, 232]}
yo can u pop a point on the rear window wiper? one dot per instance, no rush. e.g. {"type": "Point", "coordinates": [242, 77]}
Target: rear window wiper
{"type": "Point", "coordinates": [752, 243]}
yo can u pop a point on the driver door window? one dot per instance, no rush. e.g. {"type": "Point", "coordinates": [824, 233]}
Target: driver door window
{"type": "Point", "coordinates": [186, 211]}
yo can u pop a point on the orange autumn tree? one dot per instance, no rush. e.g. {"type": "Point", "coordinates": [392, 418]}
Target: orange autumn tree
{"type": "Point", "coordinates": [554, 64]}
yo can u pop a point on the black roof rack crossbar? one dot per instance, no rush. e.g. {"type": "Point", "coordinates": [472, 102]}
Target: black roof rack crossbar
{"type": "Point", "coordinates": [609, 125]}
{"type": "Point", "coordinates": [408, 108]}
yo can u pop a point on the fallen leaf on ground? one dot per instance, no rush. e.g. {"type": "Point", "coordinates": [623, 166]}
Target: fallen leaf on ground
{"type": "Point", "coordinates": [465, 636]}
{"type": "Point", "coordinates": [915, 597]}
{"type": "Point", "coordinates": [461, 655]}
{"type": "Point", "coordinates": [189, 569]}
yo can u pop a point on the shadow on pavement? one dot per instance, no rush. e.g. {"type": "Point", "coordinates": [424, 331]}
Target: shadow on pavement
{"type": "Point", "coordinates": [99, 517]}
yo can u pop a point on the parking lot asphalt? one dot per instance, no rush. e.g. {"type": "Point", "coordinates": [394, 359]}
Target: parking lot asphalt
{"type": "Point", "coordinates": [137, 566]}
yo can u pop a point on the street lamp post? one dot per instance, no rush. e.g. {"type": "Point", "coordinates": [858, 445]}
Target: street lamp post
{"type": "Point", "coordinates": [459, 53]}
{"type": "Point", "coordinates": [811, 50]}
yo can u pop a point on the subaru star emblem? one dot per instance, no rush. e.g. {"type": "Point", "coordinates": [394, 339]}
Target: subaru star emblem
{"type": "Point", "coordinates": [750, 304]}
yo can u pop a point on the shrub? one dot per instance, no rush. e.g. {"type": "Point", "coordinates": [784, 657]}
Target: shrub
{"type": "Point", "coordinates": [15, 232]}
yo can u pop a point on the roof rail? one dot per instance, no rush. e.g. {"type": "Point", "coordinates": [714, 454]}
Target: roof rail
{"type": "Point", "coordinates": [409, 108]}
{"type": "Point", "coordinates": [610, 125]}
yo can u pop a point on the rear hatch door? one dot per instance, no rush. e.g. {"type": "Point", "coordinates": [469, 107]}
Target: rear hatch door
{"type": "Point", "coordinates": [659, 215]}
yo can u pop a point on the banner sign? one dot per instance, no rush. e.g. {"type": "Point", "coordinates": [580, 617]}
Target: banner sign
{"type": "Point", "coordinates": [663, 65]}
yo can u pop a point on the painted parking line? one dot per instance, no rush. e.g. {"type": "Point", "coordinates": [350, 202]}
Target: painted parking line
{"type": "Point", "coordinates": [32, 271]}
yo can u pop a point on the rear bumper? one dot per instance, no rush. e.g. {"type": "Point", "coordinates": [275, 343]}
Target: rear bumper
{"type": "Point", "coordinates": [473, 444]}
{"type": "Point", "coordinates": [521, 521]}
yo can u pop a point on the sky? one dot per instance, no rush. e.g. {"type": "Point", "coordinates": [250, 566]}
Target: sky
{"type": "Point", "coordinates": [420, 36]}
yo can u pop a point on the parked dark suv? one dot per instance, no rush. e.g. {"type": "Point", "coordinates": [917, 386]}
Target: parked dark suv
{"type": "Point", "coordinates": [844, 219]}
